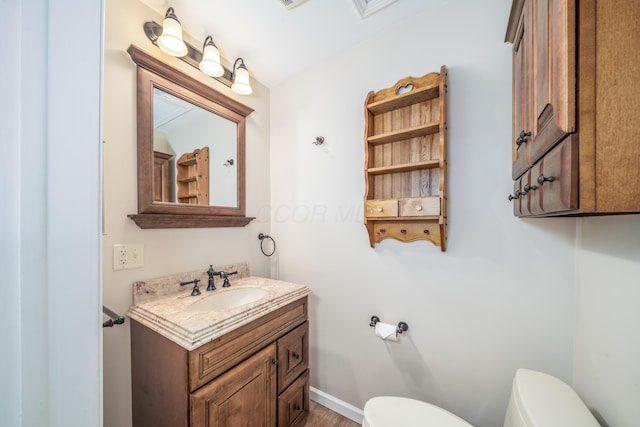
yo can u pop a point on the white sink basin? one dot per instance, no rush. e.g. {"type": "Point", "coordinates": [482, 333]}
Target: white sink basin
{"type": "Point", "coordinates": [228, 298]}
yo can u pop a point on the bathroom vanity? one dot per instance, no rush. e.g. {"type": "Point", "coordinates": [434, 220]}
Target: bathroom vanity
{"type": "Point", "coordinates": [233, 356]}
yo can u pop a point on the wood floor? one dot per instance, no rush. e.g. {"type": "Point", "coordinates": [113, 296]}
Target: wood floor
{"type": "Point", "coordinates": [320, 416]}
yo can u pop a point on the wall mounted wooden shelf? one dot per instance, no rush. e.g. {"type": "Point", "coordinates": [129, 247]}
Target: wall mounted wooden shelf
{"type": "Point", "coordinates": [405, 161]}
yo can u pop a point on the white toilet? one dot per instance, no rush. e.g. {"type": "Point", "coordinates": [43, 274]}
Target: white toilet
{"type": "Point", "coordinates": [537, 400]}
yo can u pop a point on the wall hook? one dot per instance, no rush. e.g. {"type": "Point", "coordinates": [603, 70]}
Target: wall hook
{"type": "Point", "coordinates": [319, 140]}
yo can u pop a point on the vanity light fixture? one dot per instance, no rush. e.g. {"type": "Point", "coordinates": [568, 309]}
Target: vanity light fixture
{"type": "Point", "coordinates": [208, 61]}
{"type": "Point", "coordinates": [170, 41]}
{"type": "Point", "coordinates": [241, 83]}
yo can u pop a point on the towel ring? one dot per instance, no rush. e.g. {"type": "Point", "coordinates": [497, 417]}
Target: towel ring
{"type": "Point", "coordinates": [262, 238]}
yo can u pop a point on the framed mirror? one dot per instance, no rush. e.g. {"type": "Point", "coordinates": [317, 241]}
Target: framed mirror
{"type": "Point", "coordinates": [191, 150]}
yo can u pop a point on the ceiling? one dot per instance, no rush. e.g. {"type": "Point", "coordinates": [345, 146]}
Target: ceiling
{"type": "Point", "coordinates": [276, 42]}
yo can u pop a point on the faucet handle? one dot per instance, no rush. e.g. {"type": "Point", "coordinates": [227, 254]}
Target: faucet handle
{"type": "Point", "coordinates": [224, 275]}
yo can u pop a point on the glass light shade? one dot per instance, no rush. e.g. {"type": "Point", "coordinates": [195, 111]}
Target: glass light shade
{"type": "Point", "coordinates": [170, 41]}
{"type": "Point", "coordinates": [241, 83]}
{"type": "Point", "coordinates": [210, 63]}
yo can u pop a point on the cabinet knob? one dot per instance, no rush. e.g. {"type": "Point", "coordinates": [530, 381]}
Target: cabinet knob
{"type": "Point", "coordinates": [296, 355]}
{"type": "Point", "coordinates": [403, 231]}
{"type": "Point", "coordinates": [418, 207]}
{"type": "Point", "coordinates": [382, 230]}
{"type": "Point", "coordinates": [379, 210]}
{"type": "Point", "coordinates": [542, 179]}
{"type": "Point", "coordinates": [528, 188]}
{"type": "Point", "coordinates": [274, 362]}
{"type": "Point", "coordinates": [512, 197]}
{"type": "Point", "coordinates": [522, 138]}
{"type": "Point", "coordinates": [297, 407]}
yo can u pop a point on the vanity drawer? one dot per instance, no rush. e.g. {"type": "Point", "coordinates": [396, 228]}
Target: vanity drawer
{"type": "Point", "coordinates": [216, 357]}
{"type": "Point", "coordinates": [381, 208]}
{"type": "Point", "coordinates": [293, 355]}
{"type": "Point", "coordinates": [419, 206]}
{"type": "Point", "coordinates": [293, 404]}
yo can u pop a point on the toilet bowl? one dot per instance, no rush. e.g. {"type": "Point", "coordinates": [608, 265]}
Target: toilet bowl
{"type": "Point", "coordinates": [537, 400]}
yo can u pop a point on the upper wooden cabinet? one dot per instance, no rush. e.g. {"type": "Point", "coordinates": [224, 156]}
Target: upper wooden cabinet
{"type": "Point", "coordinates": [405, 160]}
{"type": "Point", "coordinates": [576, 92]}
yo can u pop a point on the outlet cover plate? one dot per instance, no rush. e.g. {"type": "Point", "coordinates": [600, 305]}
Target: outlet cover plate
{"type": "Point", "coordinates": [128, 256]}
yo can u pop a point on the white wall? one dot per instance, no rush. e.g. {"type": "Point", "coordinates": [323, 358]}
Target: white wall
{"type": "Point", "coordinates": [501, 297]}
{"type": "Point", "coordinates": [165, 251]}
{"type": "Point", "coordinates": [50, 216]}
{"type": "Point", "coordinates": [607, 372]}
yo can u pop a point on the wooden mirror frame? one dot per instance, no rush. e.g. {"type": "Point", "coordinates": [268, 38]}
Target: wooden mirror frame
{"type": "Point", "coordinates": [153, 73]}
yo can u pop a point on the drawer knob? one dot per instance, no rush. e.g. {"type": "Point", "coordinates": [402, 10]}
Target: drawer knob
{"type": "Point", "coordinates": [418, 207]}
{"type": "Point", "coordinates": [379, 210]}
{"type": "Point", "coordinates": [403, 231]}
{"type": "Point", "coordinates": [382, 230]}
{"type": "Point", "coordinates": [542, 179]}
{"type": "Point", "coordinates": [516, 195]}
{"type": "Point", "coordinates": [296, 355]}
{"type": "Point", "coordinates": [522, 138]}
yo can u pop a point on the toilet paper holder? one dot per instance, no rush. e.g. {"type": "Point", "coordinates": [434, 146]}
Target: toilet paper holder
{"type": "Point", "coordinates": [402, 326]}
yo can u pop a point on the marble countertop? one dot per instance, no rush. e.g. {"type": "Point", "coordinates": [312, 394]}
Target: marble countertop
{"type": "Point", "coordinates": [171, 315]}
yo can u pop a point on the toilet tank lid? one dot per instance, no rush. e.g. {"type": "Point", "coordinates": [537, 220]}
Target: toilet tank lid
{"type": "Point", "coordinates": [395, 411]}
{"type": "Point", "coordinates": [546, 401]}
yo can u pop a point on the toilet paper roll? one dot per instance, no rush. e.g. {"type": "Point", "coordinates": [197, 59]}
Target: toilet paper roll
{"type": "Point", "coordinates": [386, 331]}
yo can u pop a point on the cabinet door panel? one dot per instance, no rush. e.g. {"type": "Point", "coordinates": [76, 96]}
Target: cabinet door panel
{"type": "Point", "coordinates": [555, 78]}
{"type": "Point", "coordinates": [522, 88]}
{"type": "Point", "coordinates": [243, 396]}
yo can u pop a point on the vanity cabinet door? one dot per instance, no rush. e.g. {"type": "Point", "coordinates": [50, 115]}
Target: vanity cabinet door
{"type": "Point", "coordinates": [243, 396]}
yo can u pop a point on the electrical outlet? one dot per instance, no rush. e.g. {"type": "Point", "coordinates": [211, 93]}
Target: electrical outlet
{"type": "Point", "coordinates": [128, 256]}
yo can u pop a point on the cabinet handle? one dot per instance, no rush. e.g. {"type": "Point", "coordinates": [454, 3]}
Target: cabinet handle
{"type": "Point", "coordinates": [528, 188]}
{"type": "Point", "coordinates": [542, 179]}
{"type": "Point", "coordinates": [296, 355]}
{"type": "Point", "coordinates": [418, 207]}
{"type": "Point", "coordinates": [379, 210]}
{"type": "Point", "coordinates": [522, 138]}
{"type": "Point", "coordinates": [274, 362]}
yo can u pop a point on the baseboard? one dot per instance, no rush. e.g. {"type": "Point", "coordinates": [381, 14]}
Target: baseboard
{"type": "Point", "coordinates": [336, 405]}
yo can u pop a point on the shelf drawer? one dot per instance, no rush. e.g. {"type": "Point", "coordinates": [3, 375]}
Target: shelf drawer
{"type": "Point", "coordinates": [381, 208]}
{"type": "Point", "coordinates": [419, 206]}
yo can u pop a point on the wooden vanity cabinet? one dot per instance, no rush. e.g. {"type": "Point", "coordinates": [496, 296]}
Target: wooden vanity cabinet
{"type": "Point", "coordinates": [575, 107]}
{"type": "Point", "coordinates": [405, 161]}
{"type": "Point", "coordinates": [256, 375]}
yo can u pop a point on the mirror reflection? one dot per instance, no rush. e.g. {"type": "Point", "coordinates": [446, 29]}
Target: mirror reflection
{"type": "Point", "coordinates": [195, 154]}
